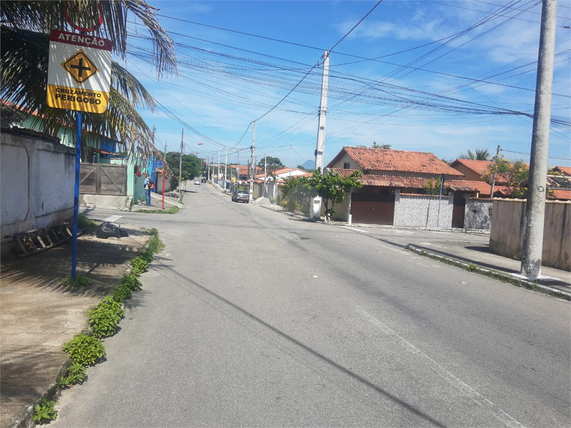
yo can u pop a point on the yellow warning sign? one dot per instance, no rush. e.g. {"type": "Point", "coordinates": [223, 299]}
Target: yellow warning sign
{"type": "Point", "coordinates": [77, 99]}
{"type": "Point", "coordinates": [80, 67]}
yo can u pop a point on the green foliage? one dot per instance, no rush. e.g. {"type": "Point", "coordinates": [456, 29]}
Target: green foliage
{"type": "Point", "coordinates": [105, 317]}
{"type": "Point", "coordinates": [139, 265]}
{"type": "Point", "coordinates": [514, 176]}
{"type": "Point", "coordinates": [121, 292]}
{"type": "Point", "coordinates": [44, 411]}
{"type": "Point", "coordinates": [296, 192]}
{"type": "Point", "coordinates": [76, 375]}
{"type": "Point", "coordinates": [472, 267]}
{"type": "Point", "coordinates": [147, 255]}
{"type": "Point", "coordinates": [432, 187]}
{"type": "Point", "coordinates": [271, 163]}
{"type": "Point", "coordinates": [171, 210]}
{"type": "Point", "coordinates": [381, 146]}
{"type": "Point", "coordinates": [84, 222]}
{"type": "Point", "coordinates": [332, 187]}
{"type": "Point", "coordinates": [131, 282]}
{"type": "Point", "coordinates": [85, 350]}
{"type": "Point", "coordinates": [190, 167]}
{"type": "Point", "coordinates": [478, 154]}
{"type": "Point", "coordinates": [155, 244]}
{"type": "Point", "coordinates": [80, 281]}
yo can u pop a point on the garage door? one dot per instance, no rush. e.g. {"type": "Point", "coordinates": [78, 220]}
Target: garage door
{"type": "Point", "coordinates": [373, 209]}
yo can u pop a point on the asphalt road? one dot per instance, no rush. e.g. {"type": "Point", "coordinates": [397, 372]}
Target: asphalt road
{"type": "Point", "coordinates": [252, 318]}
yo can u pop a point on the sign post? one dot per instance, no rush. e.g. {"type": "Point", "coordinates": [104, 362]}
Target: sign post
{"type": "Point", "coordinates": [79, 76]}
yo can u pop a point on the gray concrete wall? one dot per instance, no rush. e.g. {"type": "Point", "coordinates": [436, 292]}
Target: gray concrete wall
{"type": "Point", "coordinates": [478, 214]}
{"type": "Point", "coordinates": [422, 210]}
{"type": "Point", "coordinates": [37, 183]}
{"type": "Point", "coordinates": [508, 226]}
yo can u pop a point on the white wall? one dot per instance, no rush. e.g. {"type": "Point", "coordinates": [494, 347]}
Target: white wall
{"type": "Point", "coordinates": [422, 211]}
{"type": "Point", "coordinates": [37, 179]}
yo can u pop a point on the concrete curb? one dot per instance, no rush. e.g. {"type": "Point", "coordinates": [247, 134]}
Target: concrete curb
{"type": "Point", "coordinates": [492, 273]}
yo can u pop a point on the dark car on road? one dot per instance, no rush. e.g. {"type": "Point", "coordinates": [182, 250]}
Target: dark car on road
{"type": "Point", "coordinates": [240, 196]}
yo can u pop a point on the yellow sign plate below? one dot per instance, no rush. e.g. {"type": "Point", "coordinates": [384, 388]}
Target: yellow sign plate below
{"type": "Point", "coordinates": [77, 99]}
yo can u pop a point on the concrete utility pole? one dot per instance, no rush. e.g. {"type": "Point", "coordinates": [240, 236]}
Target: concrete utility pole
{"type": "Point", "coordinates": [180, 163]}
{"type": "Point", "coordinates": [218, 175]}
{"type": "Point", "coordinates": [225, 167]}
{"type": "Point", "coordinates": [494, 175]}
{"type": "Point", "coordinates": [535, 209]}
{"type": "Point", "coordinates": [265, 173]}
{"type": "Point", "coordinates": [253, 163]}
{"type": "Point", "coordinates": [322, 113]}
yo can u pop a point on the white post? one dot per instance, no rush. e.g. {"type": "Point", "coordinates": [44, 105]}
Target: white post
{"type": "Point", "coordinates": [537, 187]}
{"type": "Point", "coordinates": [322, 113]}
{"type": "Point", "coordinates": [253, 162]}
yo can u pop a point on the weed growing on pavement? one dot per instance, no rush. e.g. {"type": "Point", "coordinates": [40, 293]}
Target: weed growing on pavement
{"type": "Point", "coordinates": [44, 411]}
{"type": "Point", "coordinates": [139, 265]}
{"type": "Point", "coordinates": [80, 281]}
{"type": "Point", "coordinates": [121, 292]}
{"type": "Point", "coordinates": [105, 317]}
{"type": "Point", "coordinates": [84, 222]}
{"type": "Point", "coordinates": [75, 375]}
{"type": "Point", "coordinates": [171, 210]}
{"type": "Point", "coordinates": [85, 350]}
{"type": "Point", "coordinates": [132, 282]}
{"type": "Point", "coordinates": [472, 267]}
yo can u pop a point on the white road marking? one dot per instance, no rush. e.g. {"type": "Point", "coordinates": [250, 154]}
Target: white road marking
{"type": "Point", "coordinates": [478, 398]}
{"type": "Point", "coordinates": [113, 218]}
{"type": "Point", "coordinates": [355, 229]}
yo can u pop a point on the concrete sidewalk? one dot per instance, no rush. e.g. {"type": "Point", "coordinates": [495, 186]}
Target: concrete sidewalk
{"type": "Point", "coordinates": [39, 315]}
{"type": "Point", "coordinates": [552, 281]}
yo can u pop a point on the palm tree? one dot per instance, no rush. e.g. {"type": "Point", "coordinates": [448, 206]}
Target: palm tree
{"type": "Point", "coordinates": [25, 27]}
{"type": "Point", "coordinates": [479, 154]}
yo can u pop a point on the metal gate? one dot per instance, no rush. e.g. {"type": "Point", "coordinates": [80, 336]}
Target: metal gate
{"type": "Point", "coordinates": [103, 179]}
{"type": "Point", "coordinates": [458, 211]}
{"type": "Point", "coordinates": [373, 208]}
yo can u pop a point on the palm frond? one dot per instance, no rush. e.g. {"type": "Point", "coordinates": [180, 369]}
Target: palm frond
{"type": "Point", "coordinates": [43, 16]}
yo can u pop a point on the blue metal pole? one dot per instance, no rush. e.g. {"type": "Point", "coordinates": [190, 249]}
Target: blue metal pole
{"type": "Point", "coordinates": [76, 197]}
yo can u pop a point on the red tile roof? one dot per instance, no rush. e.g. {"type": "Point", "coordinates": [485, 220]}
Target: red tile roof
{"type": "Point", "coordinates": [478, 166]}
{"type": "Point", "coordinates": [562, 195]}
{"type": "Point", "coordinates": [382, 160]}
{"type": "Point", "coordinates": [564, 169]}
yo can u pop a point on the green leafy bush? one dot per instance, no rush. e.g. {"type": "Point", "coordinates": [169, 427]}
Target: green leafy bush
{"type": "Point", "coordinates": [85, 350]}
{"type": "Point", "coordinates": [105, 317]}
{"type": "Point", "coordinates": [139, 265]}
{"type": "Point", "coordinates": [121, 293]}
{"type": "Point", "coordinates": [80, 281]}
{"type": "Point", "coordinates": [75, 376]}
{"type": "Point", "coordinates": [44, 411]}
{"type": "Point", "coordinates": [147, 255]}
{"type": "Point", "coordinates": [132, 282]}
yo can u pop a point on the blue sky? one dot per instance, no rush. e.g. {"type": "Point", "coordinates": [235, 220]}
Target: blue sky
{"type": "Point", "coordinates": [434, 76]}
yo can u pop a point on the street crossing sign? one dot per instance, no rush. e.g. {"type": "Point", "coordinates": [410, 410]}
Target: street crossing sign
{"type": "Point", "coordinates": [79, 73]}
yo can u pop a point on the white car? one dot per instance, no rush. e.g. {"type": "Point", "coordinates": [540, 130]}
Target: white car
{"type": "Point", "coordinates": [197, 181]}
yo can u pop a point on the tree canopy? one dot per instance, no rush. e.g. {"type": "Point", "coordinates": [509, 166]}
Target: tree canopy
{"type": "Point", "coordinates": [191, 167]}
{"type": "Point", "coordinates": [478, 154]}
{"type": "Point", "coordinates": [271, 163]}
{"type": "Point", "coordinates": [25, 27]}
{"type": "Point", "coordinates": [332, 187]}
{"type": "Point", "coordinates": [513, 175]}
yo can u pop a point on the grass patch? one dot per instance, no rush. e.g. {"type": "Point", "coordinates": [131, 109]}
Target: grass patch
{"type": "Point", "coordinates": [171, 210]}
{"type": "Point", "coordinates": [80, 281]}
{"type": "Point", "coordinates": [84, 222]}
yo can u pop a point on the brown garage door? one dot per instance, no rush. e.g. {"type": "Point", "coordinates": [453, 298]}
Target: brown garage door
{"type": "Point", "coordinates": [373, 208]}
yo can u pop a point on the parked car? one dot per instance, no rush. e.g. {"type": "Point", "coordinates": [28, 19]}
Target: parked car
{"type": "Point", "coordinates": [240, 196]}
{"type": "Point", "coordinates": [203, 180]}
{"type": "Point", "coordinates": [197, 181]}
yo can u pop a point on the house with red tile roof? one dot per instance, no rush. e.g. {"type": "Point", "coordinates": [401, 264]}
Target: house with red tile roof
{"type": "Point", "coordinates": [392, 178]}
{"type": "Point", "coordinates": [476, 179]}
{"type": "Point", "coordinates": [559, 183]}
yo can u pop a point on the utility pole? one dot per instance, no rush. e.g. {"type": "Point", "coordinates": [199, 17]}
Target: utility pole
{"type": "Point", "coordinates": [253, 161]}
{"type": "Point", "coordinates": [494, 175]}
{"type": "Point", "coordinates": [535, 209]}
{"type": "Point", "coordinates": [225, 167]}
{"type": "Point", "coordinates": [180, 163]}
{"type": "Point", "coordinates": [218, 175]}
{"type": "Point", "coordinates": [322, 113]}
{"type": "Point", "coordinates": [265, 173]}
